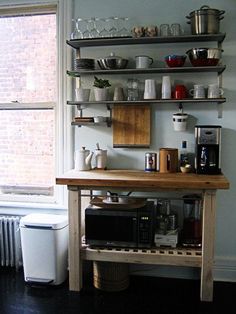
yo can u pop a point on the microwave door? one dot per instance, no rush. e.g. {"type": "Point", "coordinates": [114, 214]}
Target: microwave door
{"type": "Point", "coordinates": [111, 228]}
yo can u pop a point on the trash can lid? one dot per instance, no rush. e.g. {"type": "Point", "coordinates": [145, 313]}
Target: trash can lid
{"type": "Point", "coordinates": [44, 220]}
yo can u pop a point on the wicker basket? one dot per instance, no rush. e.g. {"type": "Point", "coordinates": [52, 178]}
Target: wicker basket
{"type": "Point", "coordinates": [108, 276]}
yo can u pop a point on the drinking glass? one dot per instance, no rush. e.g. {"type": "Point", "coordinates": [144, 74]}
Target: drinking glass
{"type": "Point", "coordinates": [175, 29]}
{"type": "Point", "coordinates": [165, 30]}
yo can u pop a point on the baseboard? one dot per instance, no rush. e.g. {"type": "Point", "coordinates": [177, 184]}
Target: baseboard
{"type": "Point", "coordinates": [224, 270]}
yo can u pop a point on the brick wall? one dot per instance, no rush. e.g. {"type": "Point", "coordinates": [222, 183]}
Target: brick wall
{"type": "Point", "coordinates": [27, 74]}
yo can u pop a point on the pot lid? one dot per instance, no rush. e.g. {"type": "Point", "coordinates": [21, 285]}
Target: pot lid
{"type": "Point", "coordinates": [205, 9]}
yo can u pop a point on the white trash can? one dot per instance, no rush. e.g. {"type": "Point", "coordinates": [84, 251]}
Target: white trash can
{"type": "Point", "coordinates": [44, 240]}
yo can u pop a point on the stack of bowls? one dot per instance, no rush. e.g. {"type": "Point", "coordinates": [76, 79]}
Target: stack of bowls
{"type": "Point", "coordinates": [84, 64]}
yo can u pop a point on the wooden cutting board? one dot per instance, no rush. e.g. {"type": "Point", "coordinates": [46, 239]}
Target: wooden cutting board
{"type": "Point", "coordinates": [131, 125]}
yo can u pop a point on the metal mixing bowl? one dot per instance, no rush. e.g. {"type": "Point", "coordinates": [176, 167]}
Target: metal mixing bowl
{"type": "Point", "coordinates": [204, 56]}
{"type": "Point", "coordinates": [112, 63]}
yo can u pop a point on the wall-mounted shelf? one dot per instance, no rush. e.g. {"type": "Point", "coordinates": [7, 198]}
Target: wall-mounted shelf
{"type": "Point", "coordinates": [107, 123]}
{"type": "Point", "coordinates": [77, 43]}
{"type": "Point", "coordinates": [175, 101]}
{"type": "Point", "coordinates": [216, 69]}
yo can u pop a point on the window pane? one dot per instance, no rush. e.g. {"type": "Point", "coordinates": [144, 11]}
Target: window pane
{"type": "Point", "coordinates": [28, 64]}
{"type": "Point", "coordinates": [27, 152]}
{"type": "Point", "coordinates": [28, 58]}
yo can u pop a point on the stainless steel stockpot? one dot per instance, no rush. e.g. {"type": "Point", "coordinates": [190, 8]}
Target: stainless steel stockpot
{"type": "Point", "coordinates": [205, 21]}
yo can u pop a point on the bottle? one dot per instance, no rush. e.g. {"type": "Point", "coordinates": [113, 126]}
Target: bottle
{"type": "Point", "coordinates": [184, 159]}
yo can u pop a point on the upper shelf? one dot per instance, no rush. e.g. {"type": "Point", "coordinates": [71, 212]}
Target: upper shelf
{"type": "Point", "coordinates": [93, 42]}
{"type": "Point", "coordinates": [217, 69]}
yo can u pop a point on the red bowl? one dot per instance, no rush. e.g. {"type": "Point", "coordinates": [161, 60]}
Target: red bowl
{"type": "Point", "coordinates": [174, 61]}
{"type": "Point", "coordinates": [204, 62]}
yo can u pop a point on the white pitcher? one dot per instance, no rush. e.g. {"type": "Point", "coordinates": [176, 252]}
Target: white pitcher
{"type": "Point", "coordinates": [83, 159]}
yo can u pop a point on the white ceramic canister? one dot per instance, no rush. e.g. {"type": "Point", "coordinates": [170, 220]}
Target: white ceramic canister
{"type": "Point", "coordinates": [101, 158]}
{"type": "Point", "coordinates": [166, 88]}
{"type": "Point", "coordinates": [180, 121]}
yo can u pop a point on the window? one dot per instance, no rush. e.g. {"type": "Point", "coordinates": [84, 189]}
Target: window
{"type": "Point", "coordinates": [29, 104]}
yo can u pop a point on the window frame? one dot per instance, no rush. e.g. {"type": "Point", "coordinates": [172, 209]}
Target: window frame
{"type": "Point", "coordinates": [63, 130]}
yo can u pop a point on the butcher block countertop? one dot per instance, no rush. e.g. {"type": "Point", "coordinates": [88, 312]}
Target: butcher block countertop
{"type": "Point", "coordinates": [141, 180]}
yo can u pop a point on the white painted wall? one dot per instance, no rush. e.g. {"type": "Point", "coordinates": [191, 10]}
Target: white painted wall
{"type": "Point", "coordinates": [146, 12]}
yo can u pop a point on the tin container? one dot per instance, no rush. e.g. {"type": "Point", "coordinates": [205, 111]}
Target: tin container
{"type": "Point", "coordinates": [150, 162]}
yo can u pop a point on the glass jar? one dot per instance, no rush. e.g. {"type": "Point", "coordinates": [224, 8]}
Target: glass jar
{"type": "Point", "coordinates": [192, 224]}
{"type": "Point", "coordinates": [133, 90]}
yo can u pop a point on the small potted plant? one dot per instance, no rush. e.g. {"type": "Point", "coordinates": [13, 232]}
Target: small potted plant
{"type": "Point", "coordinates": [101, 89]}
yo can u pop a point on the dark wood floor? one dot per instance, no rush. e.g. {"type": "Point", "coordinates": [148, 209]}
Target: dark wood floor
{"type": "Point", "coordinates": [145, 295]}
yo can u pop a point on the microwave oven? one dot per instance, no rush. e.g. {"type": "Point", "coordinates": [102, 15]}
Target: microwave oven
{"type": "Point", "coordinates": [120, 227]}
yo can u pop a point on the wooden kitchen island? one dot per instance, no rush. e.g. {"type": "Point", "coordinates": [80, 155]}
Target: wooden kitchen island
{"type": "Point", "coordinates": [127, 180]}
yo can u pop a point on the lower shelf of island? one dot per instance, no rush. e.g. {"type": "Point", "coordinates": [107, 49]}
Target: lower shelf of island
{"type": "Point", "coordinates": [191, 257]}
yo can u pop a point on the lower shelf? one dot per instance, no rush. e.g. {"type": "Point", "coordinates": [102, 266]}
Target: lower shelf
{"type": "Point", "coordinates": [155, 256]}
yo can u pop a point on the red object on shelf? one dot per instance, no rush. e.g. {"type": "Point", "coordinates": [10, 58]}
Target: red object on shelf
{"type": "Point", "coordinates": [204, 62]}
{"type": "Point", "coordinates": [174, 61]}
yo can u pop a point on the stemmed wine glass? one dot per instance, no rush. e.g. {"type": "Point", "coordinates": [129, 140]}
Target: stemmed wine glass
{"type": "Point", "coordinates": [112, 31]}
{"type": "Point", "coordinates": [75, 34]}
{"type": "Point", "coordinates": [101, 27]}
{"type": "Point", "coordinates": [91, 26]}
{"type": "Point", "coordinates": [125, 30]}
{"type": "Point", "coordinates": [82, 28]}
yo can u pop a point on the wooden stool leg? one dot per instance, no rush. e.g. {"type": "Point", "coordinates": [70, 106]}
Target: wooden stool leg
{"type": "Point", "coordinates": [208, 235]}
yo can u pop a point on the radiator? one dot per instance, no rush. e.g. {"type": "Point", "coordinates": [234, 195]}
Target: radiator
{"type": "Point", "coordinates": [10, 244]}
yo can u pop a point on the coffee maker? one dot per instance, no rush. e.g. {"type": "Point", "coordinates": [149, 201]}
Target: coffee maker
{"type": "Point", "coordinates": [208, 149]}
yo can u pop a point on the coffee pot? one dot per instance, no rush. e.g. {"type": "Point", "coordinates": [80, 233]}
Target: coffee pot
{"type": "Point", "coordinates": [83, 159]}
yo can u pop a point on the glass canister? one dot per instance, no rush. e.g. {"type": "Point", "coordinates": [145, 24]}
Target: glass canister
{"type": "Point", "coordinates": [192, 224]}
{"type": "Point", "coordinates": [133, 89]}
{"type": "Point", "coordinates": [162, 220]}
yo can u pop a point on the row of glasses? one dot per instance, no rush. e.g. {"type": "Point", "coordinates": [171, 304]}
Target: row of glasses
{"type": "Point", "coordinates": [174, 29]}
{"type": "Point", "coordinates": [95, 27]}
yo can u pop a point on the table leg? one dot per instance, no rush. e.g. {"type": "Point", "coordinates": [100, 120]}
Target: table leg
{"type": "Point", "coordinates": [208, 234]}
{"type": "Point", "coordinates": [75, 263]}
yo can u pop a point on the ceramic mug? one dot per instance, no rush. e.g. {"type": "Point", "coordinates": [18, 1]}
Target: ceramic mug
{"type": "Point", "coordinates": [198, 91]}
{"type": "Point", "coordinates": [143, 62]}
{"type": "Point", "coordinates": [214, 91]}
{"type": "Point", "coordinates": [180, 92]}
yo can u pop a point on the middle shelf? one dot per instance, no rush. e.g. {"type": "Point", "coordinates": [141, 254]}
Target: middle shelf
{"type": "Point", "coordinates": [177, 101]}
{"type": "Point", "coordinates": [217, 69]}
